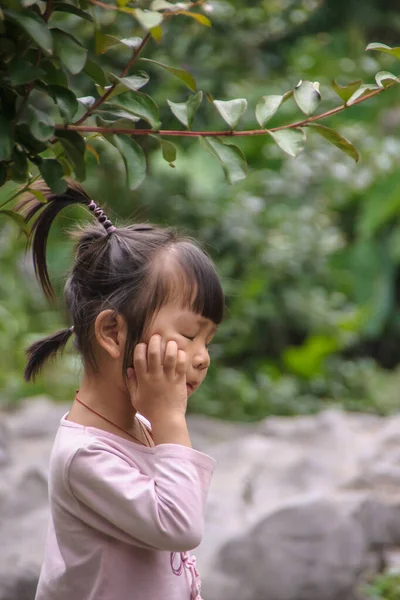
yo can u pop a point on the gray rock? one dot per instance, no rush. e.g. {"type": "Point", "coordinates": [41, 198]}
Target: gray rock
{"type": "Point", "coordinates": [298, 507]}
{"type": "Point", "coordinates": [380, 523]}
{"type": "Point", "coordinates": [30, 493]}
{"type": "Point", "coordinates": [5, 435]}
{"type": "Point", "coordinates": [22, 545]}
{"type": "Point", "coordinates": [308, 551]}
{"type": "Point", "coordinates": [36, 417]}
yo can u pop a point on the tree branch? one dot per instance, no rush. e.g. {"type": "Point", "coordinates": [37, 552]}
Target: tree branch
{"type": "Point", "coordinates": [177, 133]}
{"type": "Point", "coordinates": [104, 97]}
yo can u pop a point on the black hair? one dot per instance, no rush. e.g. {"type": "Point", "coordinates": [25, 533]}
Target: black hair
{"type": "Point", "coordinates": [134, 270]}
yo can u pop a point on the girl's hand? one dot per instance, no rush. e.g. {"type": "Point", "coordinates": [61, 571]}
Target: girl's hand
{"type": "Point", "coordinates": [157, 387]}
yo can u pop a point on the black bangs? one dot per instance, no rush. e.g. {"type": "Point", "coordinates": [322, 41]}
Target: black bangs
{"type": "Point", "coordinates": [201, 276]}
{"type": "Point", "coordinates": [186, 274]}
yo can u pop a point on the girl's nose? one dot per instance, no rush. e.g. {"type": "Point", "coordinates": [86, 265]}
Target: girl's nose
{"type": "Point", "coordinates": [201, 360]}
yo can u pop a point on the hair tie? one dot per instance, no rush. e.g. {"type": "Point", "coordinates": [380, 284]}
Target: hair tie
{"type": "Point", "coordinates": [101, 217]}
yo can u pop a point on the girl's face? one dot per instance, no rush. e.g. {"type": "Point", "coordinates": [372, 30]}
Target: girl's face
{"type": "Point", "coordinates": [192, 332]}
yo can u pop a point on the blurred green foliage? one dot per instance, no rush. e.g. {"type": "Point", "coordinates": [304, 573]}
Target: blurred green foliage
{"type": "Point", "coordinates": [308, 249]}
{"type": "Point", "coordinates": [384, 587]}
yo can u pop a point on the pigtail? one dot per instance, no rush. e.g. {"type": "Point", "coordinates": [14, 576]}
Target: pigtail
{"type": "Point", "coordinates": [42, 215]}
{"type": "Point", "coordinates": [42, 350]}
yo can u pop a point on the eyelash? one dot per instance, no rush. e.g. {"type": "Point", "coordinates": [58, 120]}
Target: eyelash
{"type": "Point", "coordinates": [192, 338]}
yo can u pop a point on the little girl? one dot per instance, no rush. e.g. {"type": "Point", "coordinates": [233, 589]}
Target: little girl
{"type": "Point", "coordinates": [127, 491]}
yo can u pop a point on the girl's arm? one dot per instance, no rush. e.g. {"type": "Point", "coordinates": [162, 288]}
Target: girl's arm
{"type": "Point", "coordinates": [164, 511]}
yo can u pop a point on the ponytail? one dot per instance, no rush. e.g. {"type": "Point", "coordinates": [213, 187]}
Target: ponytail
{"type": "Point", "coordinates": [44, 349]}
{"type": "Point", "coordinates": [42, 215]}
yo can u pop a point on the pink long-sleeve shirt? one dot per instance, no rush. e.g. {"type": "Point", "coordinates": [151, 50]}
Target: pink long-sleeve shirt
{"type": "Point", "coordinates": [123, 518]}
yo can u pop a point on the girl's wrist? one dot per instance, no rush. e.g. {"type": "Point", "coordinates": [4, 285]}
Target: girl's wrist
{"type": "Point", "coordinates": [170, 429]}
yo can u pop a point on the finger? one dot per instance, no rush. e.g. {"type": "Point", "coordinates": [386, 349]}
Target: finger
{"type": "Point", "coordinates": [171, 353]}
{"type": "Point", "coordinates": [131, 380]}
{"type": "Point", "coordinates": [140, 360]}
{"type": "Point", "coordinates": [154, 355]}
{"type": "Point", "coordinates": [181, 363]}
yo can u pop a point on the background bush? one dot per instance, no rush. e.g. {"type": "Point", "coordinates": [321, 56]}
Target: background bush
{"type": "Point", "coordinates": [308, 248]}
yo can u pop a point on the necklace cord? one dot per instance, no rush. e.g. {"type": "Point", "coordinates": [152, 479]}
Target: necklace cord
{"type": "Point", "coordinates": [143, 429]}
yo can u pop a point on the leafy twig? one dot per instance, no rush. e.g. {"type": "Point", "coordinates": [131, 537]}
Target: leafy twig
{"type": "Point", "coordinates": [104, 97]}
{"type": "Point", "coordinates": [230, 133]}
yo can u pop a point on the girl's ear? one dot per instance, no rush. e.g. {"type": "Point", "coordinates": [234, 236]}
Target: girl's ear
{"type": "Point", "coordinates": [110, 331]}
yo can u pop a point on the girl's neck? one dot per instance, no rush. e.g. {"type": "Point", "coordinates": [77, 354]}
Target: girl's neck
{"type": "Point", "coordinates": [108, 399]}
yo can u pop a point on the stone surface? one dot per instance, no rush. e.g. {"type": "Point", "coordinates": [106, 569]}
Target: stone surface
{"type": "Point", "coordinates": [299, 508]}
{"type": "Point", "coordinates": [308, 551]}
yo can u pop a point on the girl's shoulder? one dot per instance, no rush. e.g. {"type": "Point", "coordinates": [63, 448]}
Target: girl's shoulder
{"type": "Point", "coordinates": [74, 440]}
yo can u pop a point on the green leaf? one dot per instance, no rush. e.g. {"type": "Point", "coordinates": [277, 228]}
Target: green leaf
{"type": "Point", "coordinates": [38, 195]}
{"type": "Point", "coordinates": [308, 359]}
{"type": "Point", "coordinates": [287, 95]}
{"type": "Point", "coordinates": [266, 107]}
{"type": "Point", "coordinates": [65, 100]}
{"type": "Point", "coordinates": [26, 139]}
{"type": "Point", "coordinates": [20, 71]}
{"type": "Point", "coordinates": [87, 100]}
{"type": "Point", "coordinates": [53, 173]}
{"type": "Point", "coordinates": [168, 151]}
{"type": "Point", "coordinates": [18, 219]}
{"type": "Point", "coordinates": [126, 123]}
{"type": "Point", "coordinates": [345, 92]}
{"type": "Point", "coordinates": [75, 148]}
{"type": "Point", "coordinates": [125, 84]}
{"type": "Point", "coordinates": [140, 105]}
{"type": "Point", "coordinates": [134, 159]}
{"type": "Point", "coordinates": [131, 42]}
{"type": "Point", "coordinates": [6, 138]}
{"type": "Point", "coordinates": [231, 158]}
{"type": "Point", "coordinates": [66, 165]}
{"type": "Point", "coordinates": [291, 141]}
{"type": "Point", "coordinates": [95, 72]}
{"type": "Point", "coordinates": [181, 74]}
{"type": "Point", "coordinates": [73, 10]}
{"type": "Point", "coordinates": [54, 75]}
{"type": "Point", "coordinates": [337, 140]}
{"type": "Point", "coordinates": [162, 5]}
{"type": "Point", "coordinates": [109, 116]}
{"type": "Point", "coordinates": [186, 111]}
{"type": "Point", "coordinates": [363, 90]}
{"type": "Point", "coordinates": [157, 33]}
{"type": "Point", "coordinates": [148, 18]}
{"type": "Point", "coordinates": [19, 168]}
{"type": "Point", "coordinates": [104, 42]}
{"type": "Point", "coordinates": [231, 110]}
{"type": "Point", "coordinates": [307, 96]}
{"type": "Point", "coordinates": [384, 48]}
{"type": "Point", "coordinates": [70, 51]}
{"type": "Point", "coordinates": [202, 19]}
{"type": "Point", "coordinates": [91, 150]}
{"type": "Point", "coordinates": [41, 124]}
{"type": "Point", "coordinates": [34, 26]}
{"type": "Point", "coordinates": [384, 79]}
